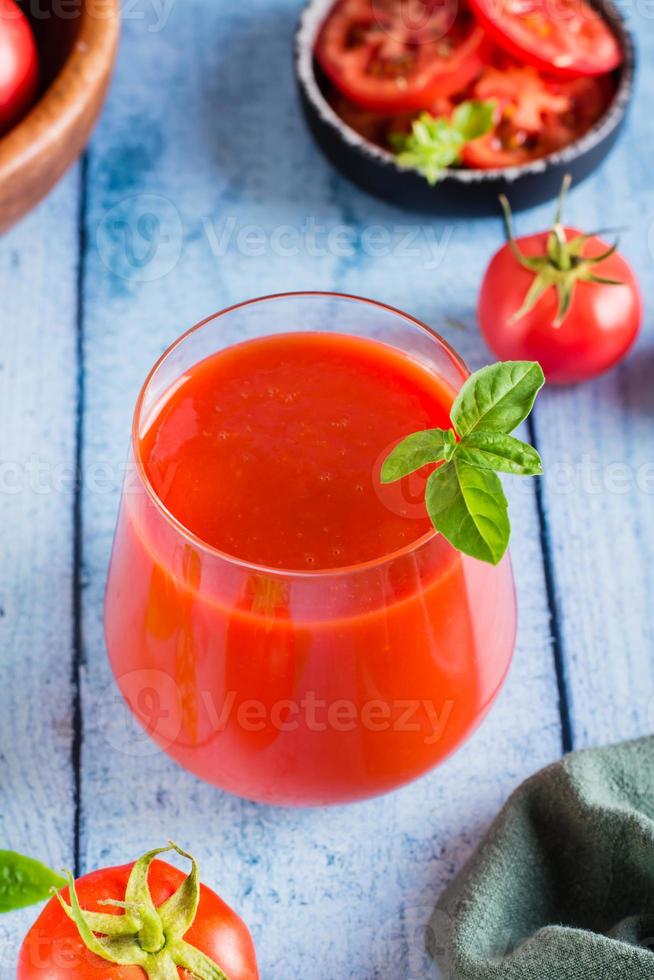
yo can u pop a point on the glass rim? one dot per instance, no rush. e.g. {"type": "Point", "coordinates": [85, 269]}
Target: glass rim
{"type": "Point", "coordinates": [224, 556]}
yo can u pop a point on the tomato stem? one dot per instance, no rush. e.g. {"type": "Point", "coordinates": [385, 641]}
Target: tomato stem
{"type": "Point", "coordinates": [146, 936]}
{"type": "Point", "coordinates": [563, 193]}
{"type": "Point", "coordinates": [561, 267]}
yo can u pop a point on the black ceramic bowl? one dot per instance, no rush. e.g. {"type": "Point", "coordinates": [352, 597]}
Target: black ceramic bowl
{"type": "Point", "coordinates": [460, 191]}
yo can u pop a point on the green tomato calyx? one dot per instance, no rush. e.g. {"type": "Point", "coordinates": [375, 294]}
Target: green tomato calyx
{"type": "Point", "coordinates": [562, 267]}
{"type": "Point", "coordinates": [144, 935]}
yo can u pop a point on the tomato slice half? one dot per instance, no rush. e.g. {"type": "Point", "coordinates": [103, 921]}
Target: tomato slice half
{"type": "Point", "coordinates": [392, 56]}
{"type": "Point", "coordinates": [535, 115]}
{"type": "Point", "coordinates": [378, 128]}
{"type": "Point", "coordinates": [563, 37]}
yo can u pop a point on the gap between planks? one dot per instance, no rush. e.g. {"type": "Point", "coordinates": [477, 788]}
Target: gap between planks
{"type": "Point", "coordinates": [78, 556]}
{"type": "Point", "coordinates": [555, 623]}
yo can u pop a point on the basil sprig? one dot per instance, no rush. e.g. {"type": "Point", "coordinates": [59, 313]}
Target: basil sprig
{"type": "Point", "coordinates": [24, 881]}
{"type": "Point", "coordinates": [464, 496]}
{"type": "Point", "coordinates": [436, 143]}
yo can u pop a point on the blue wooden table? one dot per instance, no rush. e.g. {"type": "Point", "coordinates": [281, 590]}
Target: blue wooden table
{"type": "Point", "coordinates": [202, 129]}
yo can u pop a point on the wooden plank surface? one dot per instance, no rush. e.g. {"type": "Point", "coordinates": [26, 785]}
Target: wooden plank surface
{"type": "Point", "coordinates": [597, 442]}
{"type": "Point", "coordinates": [38, 392]}
{"type": "Point", "coordinates": [340, 893]}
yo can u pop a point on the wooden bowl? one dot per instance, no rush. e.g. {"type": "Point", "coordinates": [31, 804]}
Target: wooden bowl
{"type": "Point", "coordinates": [77, 56]}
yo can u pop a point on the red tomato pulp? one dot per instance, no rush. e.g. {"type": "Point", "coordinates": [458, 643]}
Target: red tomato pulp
{"type": "Point", "coordinates": [356, 649]}
{"type": "Point", "coordinates": [534, 115]}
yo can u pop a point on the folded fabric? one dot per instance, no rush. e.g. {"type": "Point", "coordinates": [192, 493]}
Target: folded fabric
{"type": "Point", "coordinates": [562, 887]}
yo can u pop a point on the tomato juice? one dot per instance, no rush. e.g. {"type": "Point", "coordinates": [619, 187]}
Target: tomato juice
{"type": "Point", "coordinates": [281, 623]}
{"type": "Point", "coordinates": [269, 450]}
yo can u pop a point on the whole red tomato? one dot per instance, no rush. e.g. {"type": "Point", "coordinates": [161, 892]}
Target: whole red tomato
{"type": "Point", "coordinates": [19, 65]}
{"type": "Point", "coordinates": [564, 299]}
{"type": "Point", "coordinates": [143, 920]}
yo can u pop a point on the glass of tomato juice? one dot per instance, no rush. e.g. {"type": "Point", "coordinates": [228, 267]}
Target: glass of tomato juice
{"type": "Point", "coordinates": [280, 622]}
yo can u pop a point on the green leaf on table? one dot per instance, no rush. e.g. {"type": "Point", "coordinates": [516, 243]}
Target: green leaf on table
{"type": "Point", "coordinates": [435, 143]}
{"type": "Point", "coordinates": [498, 451]}
{"type": "Point", "coordinates": [466, 504]}
{"type": "Point", "coordinates": [416, 451]}
{"type": "Point", "coordinates": [24, 881]}
{"type": "Point", "coordinates": [497, 398]}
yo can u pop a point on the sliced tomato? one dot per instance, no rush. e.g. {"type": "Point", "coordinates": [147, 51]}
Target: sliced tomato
{"type": "Point", "coordinates": [392, 56]}
{"type": "Point", "coordinates": [534, 115]}
{"type": "Point", "coordinates": [373, 126]}
{"type": "Point", "coordinates": [378, 128]}
{"type": "Point", "coordinates": [588, 99]}
{"type": "Point", "coordinates": [567, 37]}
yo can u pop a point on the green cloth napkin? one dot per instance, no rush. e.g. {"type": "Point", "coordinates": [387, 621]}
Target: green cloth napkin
{"type": "Point", "coordinates": [562, 888]}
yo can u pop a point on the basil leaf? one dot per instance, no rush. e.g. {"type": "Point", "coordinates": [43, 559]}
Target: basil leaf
{"type": "Point", "coordinates": [418, 449]}
{"type": "Point", "coordinates": [467, 505]}
{"type": "Point", "coordinates": [430, 160]}
{"type": "Point", "coordinates": [499, 397]}
{"type": "Point", "coordinates": [473, 119]}
{"type": "Point", "coordinates": [464, 496]}
{"type": "Point", "coordinates": [435, 143]}
{"type": "Point", "coordinates": [24, 881]}
{"type": "Point", "coordinates": [497, 451]}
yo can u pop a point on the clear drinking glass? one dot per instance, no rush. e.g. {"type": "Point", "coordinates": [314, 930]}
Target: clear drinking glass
{"type": "Point", "coordinates": [300, 688]}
